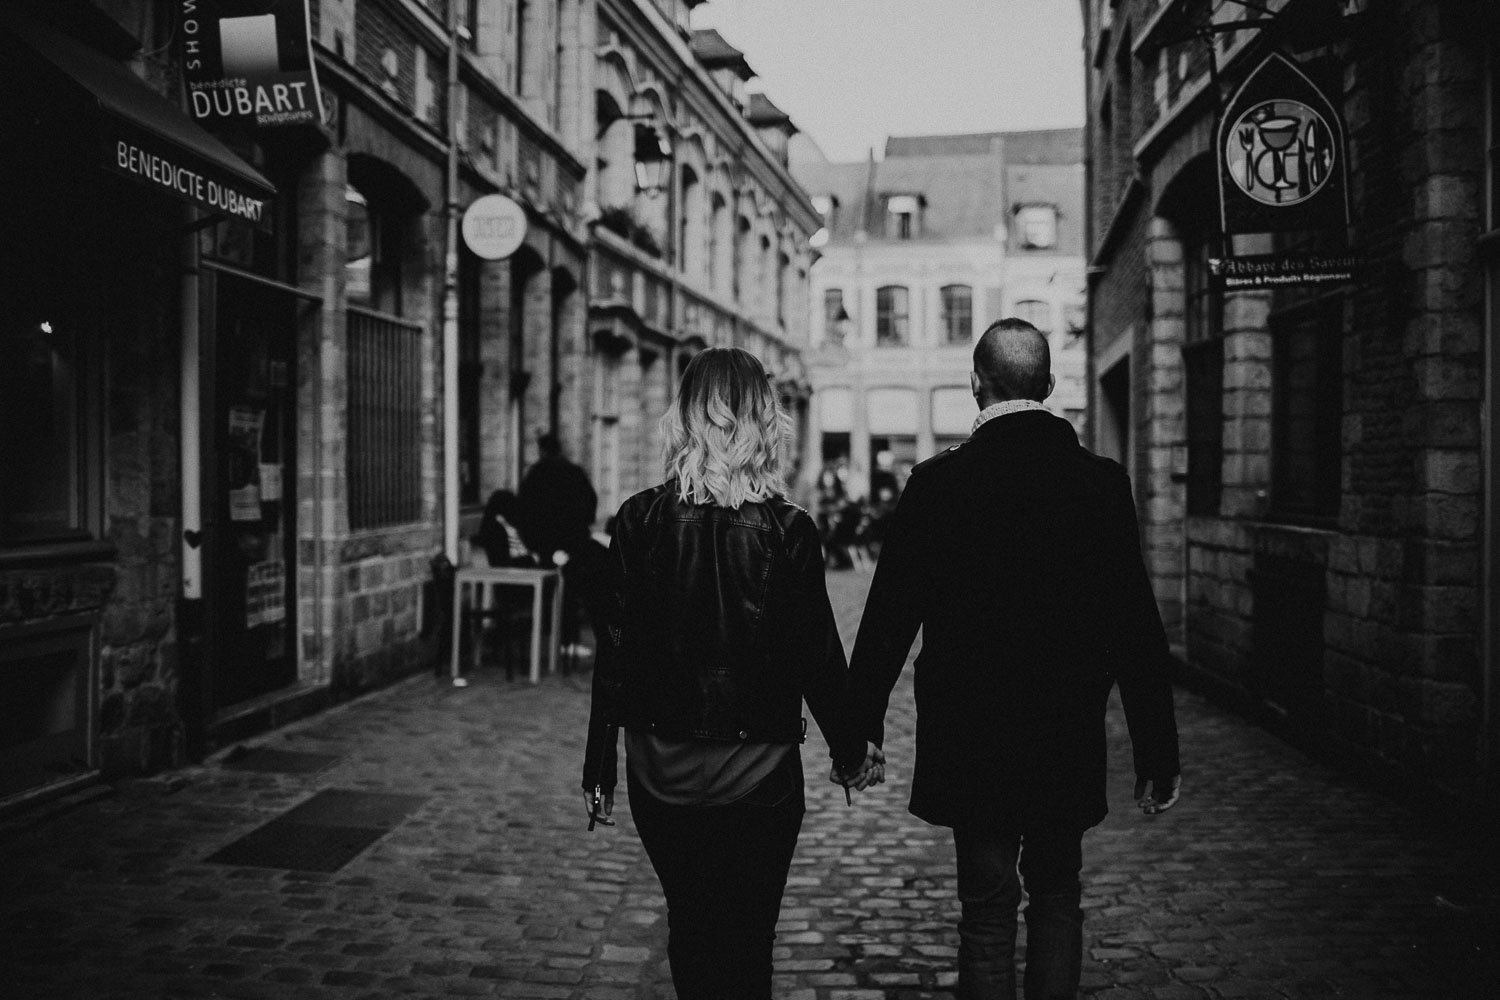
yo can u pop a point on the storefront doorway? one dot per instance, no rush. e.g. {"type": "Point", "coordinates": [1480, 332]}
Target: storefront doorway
{"type": "Point", "coordinates": [252, 544]}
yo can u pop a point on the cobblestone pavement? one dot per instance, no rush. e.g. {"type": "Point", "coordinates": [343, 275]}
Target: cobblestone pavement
{"type": "Point", "coordinates": [1274, 877]}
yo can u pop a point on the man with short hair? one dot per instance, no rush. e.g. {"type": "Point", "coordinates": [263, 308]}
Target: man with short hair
{"type": "Point", "coordinates": [1017, 553]}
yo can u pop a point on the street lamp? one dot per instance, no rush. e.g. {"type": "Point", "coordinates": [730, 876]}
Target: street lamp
{"type": "Point", "coordinates": [653, 158]}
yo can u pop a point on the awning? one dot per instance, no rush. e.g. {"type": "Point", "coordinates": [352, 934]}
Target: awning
{"type": "Point", "coordinates": [145, 137]}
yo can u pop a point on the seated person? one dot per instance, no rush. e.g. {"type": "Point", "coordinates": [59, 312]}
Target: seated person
{"type": "Point", "coordinates": [498, 535]}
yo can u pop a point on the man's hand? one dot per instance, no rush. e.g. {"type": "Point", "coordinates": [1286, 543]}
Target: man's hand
{"type": "Point", "coordinates": [601, 812]}
{"type": "Point", "coordinates": [1163, 795]}
{"type": "Point", "coordinates": [870, 772]}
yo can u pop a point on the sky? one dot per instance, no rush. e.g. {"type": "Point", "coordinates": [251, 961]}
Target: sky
{"type": "Point", "coordinates": [851, 72]}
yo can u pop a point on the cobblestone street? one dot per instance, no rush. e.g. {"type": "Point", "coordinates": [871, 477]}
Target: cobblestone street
{"type": "Point", "coordinates": [1274, 877]}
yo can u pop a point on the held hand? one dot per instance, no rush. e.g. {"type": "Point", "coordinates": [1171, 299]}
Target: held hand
{"type": "Point", "coordinates": [871, 771]}
{"type": "Point", "coordinates": [1163, 795]}
{"type": "Point", "coordinates": [599, 809]}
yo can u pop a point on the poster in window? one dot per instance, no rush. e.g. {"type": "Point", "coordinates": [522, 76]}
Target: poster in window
{"type": "Point", "coordinates": [242, 459]}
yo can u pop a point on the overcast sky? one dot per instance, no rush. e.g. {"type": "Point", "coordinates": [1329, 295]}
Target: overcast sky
{"type": "Point", "coordinates": [851, 72]}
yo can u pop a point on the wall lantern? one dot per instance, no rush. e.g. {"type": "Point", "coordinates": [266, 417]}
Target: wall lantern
{"type": "Point", "coordinates": [653, 158]}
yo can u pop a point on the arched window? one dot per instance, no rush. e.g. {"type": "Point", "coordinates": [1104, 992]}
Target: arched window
{"type": "Point", "coordinates": [783, 266]}
{"type": "Point", "coordinates": [373, 252]}
{"type": "Point", "coordinates": [958, 314]}
{"type": "Point", "coordinates": [690, 224]}
{"type": "Point", "coordinates": [718, 242]}
{"type": "Point", "coordinates": [892, 316]}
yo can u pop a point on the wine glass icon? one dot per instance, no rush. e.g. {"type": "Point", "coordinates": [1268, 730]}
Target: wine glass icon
{"type": "Point", "coordinates": [1276, 134]}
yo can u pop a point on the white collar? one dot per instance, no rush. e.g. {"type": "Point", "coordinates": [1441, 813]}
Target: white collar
{"type": "Point", "coordinates": [1001, 409]}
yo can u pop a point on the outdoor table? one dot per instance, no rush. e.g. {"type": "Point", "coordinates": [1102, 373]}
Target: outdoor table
{"type": "Point", "coordinates": [482, 578]}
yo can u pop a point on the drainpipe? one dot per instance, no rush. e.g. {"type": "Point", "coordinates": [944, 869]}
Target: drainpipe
{"type": "Point", "coordinates": [192, 684]}
{"type": "Point", "coordinates": [450, 304]}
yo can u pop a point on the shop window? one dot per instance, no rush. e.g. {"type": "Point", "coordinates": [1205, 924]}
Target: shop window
{"type": "Point", "coordinates": [1307, 412]}
{"type": "Point", "coordinates": [958, 314]}
{"type": "Point", "coordinates": [892, 316]}
{"type": "Point", "coordinates": [1036, 227]}
{"type": "Point", "coordinates": [40, 424]}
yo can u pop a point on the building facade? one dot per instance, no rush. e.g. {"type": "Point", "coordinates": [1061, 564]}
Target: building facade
{"type": "Point", "coordinates": [1314, 462]}
{"type": "Point", "coordinates": [239, 428]}
{"type": "Point", "coordinates": [717, 256]}
{"type": "Point", "coordinates": [920, 251]}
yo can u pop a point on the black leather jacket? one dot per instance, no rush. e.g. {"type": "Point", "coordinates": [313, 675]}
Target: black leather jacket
{"type": "Point", "coordinates": [721, 626]}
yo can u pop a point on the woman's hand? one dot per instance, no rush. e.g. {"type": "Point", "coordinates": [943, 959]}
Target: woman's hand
{"type": "Point", "coordinates": [870, 772]}
{"type": "Point", "coordinates": [599, 809]}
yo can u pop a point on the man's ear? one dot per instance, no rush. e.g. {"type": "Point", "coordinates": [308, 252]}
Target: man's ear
{"type": "Point", "coordinates": [1051, 384]}
{"type": "Point", "coordinates": [974, 385]}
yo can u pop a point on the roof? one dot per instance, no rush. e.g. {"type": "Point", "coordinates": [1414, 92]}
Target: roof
{"type": "Point", "coordinates": [969, 184]}
{"type": "Point", "coordinates": [714, 52]}
{"type": "Point", "coordinates": [1058, 145]}
{"type": "Point", "coordinates": [762, 113]}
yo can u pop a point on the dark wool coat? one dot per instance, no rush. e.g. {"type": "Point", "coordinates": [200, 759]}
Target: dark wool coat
{"type": "Point", "coordinates": [1017, 554]}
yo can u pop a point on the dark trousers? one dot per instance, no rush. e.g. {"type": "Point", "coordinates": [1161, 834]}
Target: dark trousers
{"type": "Point", "coordinates": [723, 870]}
{"type": "Point", "coordinates": [989, 891]}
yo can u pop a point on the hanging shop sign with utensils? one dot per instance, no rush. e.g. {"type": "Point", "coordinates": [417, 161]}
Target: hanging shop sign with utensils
{"type": "Point", "coordinates": [1283, 166]}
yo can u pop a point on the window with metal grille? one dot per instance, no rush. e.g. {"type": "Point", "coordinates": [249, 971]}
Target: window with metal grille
{"type": "Point", "coordinates": [385, 427]}
{"type": "Point", "coordinates": [892, 316]}
{"type": "Point", "coordinates": [958, 314]}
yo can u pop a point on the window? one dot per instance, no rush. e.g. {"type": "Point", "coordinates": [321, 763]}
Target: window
{"type": "Point", "coordinates": [1307, 411]}
{"type": "Point", "coordinates": [834, 313]}
{"type": "Point", "coordinates": [1036, 226]}
{"type": "Point", "coordinates": [1203, 374]}
{"type": "Point", "coordinates": [372, 263]}
{"type": "Point", "coordinates": [783, 266]}
{"type": "Point", "coordinates": [523, 15]}
{"type": "Point", "coordinates": [891, 316]}
{"type": "Point", "coordinates": [901, 222]}
{"type": "Point", "coordinates": [1037, 313]}
{"type": "Point", "coordinates": [958, 314]}
{"type": "Point", "coordinates": [40, 439]}
{"type": "Point", "coordinates": [385, 420]}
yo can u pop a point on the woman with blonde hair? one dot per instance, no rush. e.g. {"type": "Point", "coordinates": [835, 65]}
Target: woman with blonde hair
{"type": "Point", "coordinates": [720, 628]}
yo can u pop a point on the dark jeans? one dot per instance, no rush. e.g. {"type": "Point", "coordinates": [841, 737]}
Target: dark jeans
{"type": "Point", "coordinates": [989, 892]}
{"type": "Point", "coordinates": [723, 870]}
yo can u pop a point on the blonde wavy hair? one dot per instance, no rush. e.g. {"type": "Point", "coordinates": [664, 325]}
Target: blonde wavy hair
{"type": "Point", "coordinates": [726, 434]}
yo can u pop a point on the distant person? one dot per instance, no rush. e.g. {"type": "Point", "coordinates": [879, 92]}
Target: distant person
{"type": "Point", "coordinates": [1018, 556]}
{"type": "Point", "coordinates": [557, 509]}
{"type": "Point", "coordinates": [720, 627]}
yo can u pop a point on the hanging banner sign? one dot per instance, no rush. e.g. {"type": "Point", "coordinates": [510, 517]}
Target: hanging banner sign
{"type": "Point", "coordinates": [248, 62]}
{"type": "Point", "coordinates": [1258, 271]}
{"type": "Point", "coordinates": [1282, 154]}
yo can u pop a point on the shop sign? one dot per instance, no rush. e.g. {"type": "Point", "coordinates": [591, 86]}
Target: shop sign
{"type": "Point", "coordinates": [1265, 271]}
{"type": "Point", "coordinates": [1282, 155]}
{"type": "Point", "coordinates": [142, 156]}
{"type": "Point", "coordinates": [248, 62]}
{"type": "Point", "coordinates": [494, 226]}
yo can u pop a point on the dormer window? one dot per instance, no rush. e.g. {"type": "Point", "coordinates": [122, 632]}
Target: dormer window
{"type": "Point", "coordinates": [1036, 226]}
{"type": "Point", "coordinates": [902, 216]}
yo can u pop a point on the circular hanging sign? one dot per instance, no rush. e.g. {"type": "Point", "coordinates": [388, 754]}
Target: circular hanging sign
{"type": "Point", "coordinates": [494, 226]}
{"type": "Point", "coordinates": [1280, 152]}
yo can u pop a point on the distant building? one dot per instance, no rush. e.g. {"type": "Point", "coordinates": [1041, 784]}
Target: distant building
{"type": "Point", "coordinates": [920, 251]}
